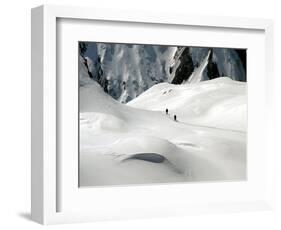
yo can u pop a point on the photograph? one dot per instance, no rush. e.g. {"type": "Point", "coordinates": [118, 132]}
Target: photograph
{"type": "Point", "coordinates": [161, 114]}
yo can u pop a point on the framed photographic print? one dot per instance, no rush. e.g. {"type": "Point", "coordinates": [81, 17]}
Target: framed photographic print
{"type": "Point", "coordinates": [138, 114]}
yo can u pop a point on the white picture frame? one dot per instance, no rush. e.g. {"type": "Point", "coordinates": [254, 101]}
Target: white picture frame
{"type": "Point", "coordinates": [50, 186]}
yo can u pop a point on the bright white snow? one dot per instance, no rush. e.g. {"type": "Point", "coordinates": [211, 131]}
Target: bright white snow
{"type": "Point", "coordinates": [121, 143]}
{"type": "Point", "coordinates": [220, 103]}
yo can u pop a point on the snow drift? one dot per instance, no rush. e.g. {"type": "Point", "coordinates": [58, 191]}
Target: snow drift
{"type": "Point", "coordinates": [139, 144]}
{"type": "Point", "coordinates": [220, 103]}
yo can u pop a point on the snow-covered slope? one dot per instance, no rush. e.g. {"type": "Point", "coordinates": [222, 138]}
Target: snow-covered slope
{"type": "Point", "coordinates": [220, 103]}
{"type": "Point", "coordinates": [120, 144]}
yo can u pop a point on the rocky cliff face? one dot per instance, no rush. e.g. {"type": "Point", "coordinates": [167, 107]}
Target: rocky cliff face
{"type": "Point", "coordinates": [185, 67]}
{"type": "Point", "coordinates": [125, 71]}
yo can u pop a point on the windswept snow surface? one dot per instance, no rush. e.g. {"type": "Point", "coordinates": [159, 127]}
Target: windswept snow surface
{"type": "Point", "coordinates": [219, 103]}
{"type": "Point", "coordinates": [137, 143]}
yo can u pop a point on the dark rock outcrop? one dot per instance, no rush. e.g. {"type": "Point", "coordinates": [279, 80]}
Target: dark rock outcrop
{"type": "Point", "coordinates": [185, 68]}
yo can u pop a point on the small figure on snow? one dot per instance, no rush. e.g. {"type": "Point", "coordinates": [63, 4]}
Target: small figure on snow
{"type": "Point", "coordinates": [167, 111]}
{"type": "Point", "coordinates": [124, 85]}
{"type": "Point", "coordinates": [175, 117]}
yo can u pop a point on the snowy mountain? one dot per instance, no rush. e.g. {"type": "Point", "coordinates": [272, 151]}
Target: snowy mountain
{"type": "Point", "coordinates": [125, 71]}
{"type": "Point", "coordinates": [137, 143]}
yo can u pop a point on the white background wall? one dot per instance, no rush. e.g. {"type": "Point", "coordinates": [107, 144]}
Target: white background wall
{"type": "Point", "coordinates": [15, 113]}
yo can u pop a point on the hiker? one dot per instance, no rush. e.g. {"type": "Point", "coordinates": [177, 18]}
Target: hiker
{"type": "Point", "coordinates": [175, 117]}
{"type": "Point", "coordinates": [167, 111]}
